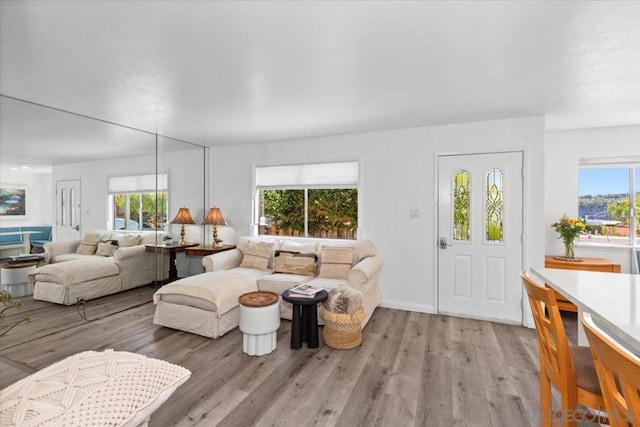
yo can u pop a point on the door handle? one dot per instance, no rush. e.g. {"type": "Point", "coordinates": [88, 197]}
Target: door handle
{"type": "Point", "coordinates": [443, 243]}
{"type": "Point", "coordinates": [77, 228]}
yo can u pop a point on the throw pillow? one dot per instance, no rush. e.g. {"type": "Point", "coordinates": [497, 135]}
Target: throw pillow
{"type": "Point", "coordinates": [295, 263]}
{"type": "Point", "coordinates": [257, 255]}
{"type": "Point", "coordinates": [89, 244]}
{"type": "Point", "coordinates": [107, 248]}
{"type": "Point", "coordinates": [130, 241]}
{"type": "Point", "coordinates": [336, 262]}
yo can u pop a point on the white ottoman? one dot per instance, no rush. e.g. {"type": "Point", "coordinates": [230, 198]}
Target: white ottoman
{"type": "Point", "coordinates": [259, 322]}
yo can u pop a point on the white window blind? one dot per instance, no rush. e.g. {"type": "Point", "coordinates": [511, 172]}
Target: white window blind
{"type": "Point", "coordinates": [137, 183]}
{"type": "Point", "coordinates": [339, 174]}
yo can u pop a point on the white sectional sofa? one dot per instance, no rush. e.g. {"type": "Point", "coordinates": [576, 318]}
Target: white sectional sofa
{"type": "Point", "coordinates": [363, 274]}
{"type": "Point", "coordinates": [70, 275]}
{"type": "Point", "coordinates": [179, 307]}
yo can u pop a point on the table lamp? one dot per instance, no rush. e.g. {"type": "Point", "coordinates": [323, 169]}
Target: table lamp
{"type": "Point", "coordinates": [214, 217]}
{"type": "Point", "coordinates": [183, 217]}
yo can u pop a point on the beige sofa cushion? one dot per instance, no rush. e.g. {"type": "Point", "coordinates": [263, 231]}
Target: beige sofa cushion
{"type": "Point", "coordinates": [295, 263]}
{"type": "Point", "coordinates": [107, 248]}
{"type": "Point", "coordinates": [257, 255]}
{"type": "Point", "coordinates": [89, 244]}
{"type": "Point", "coordinates": [73, 257]}
{"type": "Point", "coordinates": [244, 241]}
{"type": "Point", "coordinates": [220, 288]}
{"type": "Point", "coordinates": [335, 262]}
{"type": "Point", "coordinates": [279, 283]}
{"type": "Point", "coordinates": [362, 248]}
{"type": "Point", "coordinates": [302, 247]}
{"type": "Point", "coordinates": [131, 240]}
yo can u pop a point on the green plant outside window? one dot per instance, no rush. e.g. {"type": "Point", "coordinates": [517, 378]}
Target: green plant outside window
{"type": "Point", "coordinates": [324, 213]}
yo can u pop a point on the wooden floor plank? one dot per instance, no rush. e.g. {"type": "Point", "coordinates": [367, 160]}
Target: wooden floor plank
{"type": "Point", "coordinates": [511, 346]}
{"type": "Point", "coordinates": [406, 374]}
{"type": "Point", "coordinates": [329, 405]}
{"type": "Point", "coordinates": [439, 340]}
{"type": "Point", "coordinates": [505, 408]}
{"type": "Point", "coordinates": [10, 374]}
{"type": "Point", "coordinates": [435, 399]}
{"type": "Point", "coordinates": [411, 369]}
{"type": "Point", "coordinates": [469, 398]}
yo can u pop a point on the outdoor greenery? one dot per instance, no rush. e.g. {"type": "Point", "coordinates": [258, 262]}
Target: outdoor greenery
{"type": "Point", "coordinates": [154, 208]}
{"type": "Point", "coordinates": [333, 211]}
{"type": "Point", "coordinates": [619, 210]}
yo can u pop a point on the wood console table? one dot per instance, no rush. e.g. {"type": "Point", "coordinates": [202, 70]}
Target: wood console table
{"type": "Point", "coordinates": [587, 264]}
{"type": "Point", "coordinates": [172, 250]}
{"type": "Point", "coordinates": [204, 250]}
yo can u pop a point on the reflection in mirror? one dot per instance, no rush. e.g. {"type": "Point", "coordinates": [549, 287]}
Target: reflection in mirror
{"type": "Point", "coordinates": [46, 149]}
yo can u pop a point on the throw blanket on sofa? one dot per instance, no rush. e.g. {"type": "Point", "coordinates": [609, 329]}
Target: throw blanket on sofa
{"type": "Point", "coordinates": [221, 288]}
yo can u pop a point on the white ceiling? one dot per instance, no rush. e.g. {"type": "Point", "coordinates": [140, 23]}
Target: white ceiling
{"type": "Point", "coordinates": [228, 72]}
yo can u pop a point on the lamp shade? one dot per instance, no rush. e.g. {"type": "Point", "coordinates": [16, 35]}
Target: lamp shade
{"type": "Point", "coordinates": [183, 217]}
{"type": "Point", "coordinates": [214, 217]}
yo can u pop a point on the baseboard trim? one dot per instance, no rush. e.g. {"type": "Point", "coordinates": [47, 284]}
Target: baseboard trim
{"type": "Point", "coordinates": [397, 305]}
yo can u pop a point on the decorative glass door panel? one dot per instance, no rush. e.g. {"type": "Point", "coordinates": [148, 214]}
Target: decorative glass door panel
{"type": "Point", "coordinates": [461, 206]}
{"type": "Point", "coordinates": [494, 204]}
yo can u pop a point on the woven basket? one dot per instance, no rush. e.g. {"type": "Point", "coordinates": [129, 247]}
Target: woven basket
{"type": "Point", "coordinates": [343, 331]}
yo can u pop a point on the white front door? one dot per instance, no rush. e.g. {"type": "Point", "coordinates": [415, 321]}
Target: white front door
{"type": "Point", "coordinates": [68, 210]}
{"type": "Point", "coordinates": [480, 236]}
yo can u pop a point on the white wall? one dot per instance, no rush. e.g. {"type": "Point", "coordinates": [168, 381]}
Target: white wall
{"type": "Point", "coordinates": [186, 186]}
{"type": "Point", "coordinates": [397, 171]}
{"type": "Point", "coordinates": [39, 208]}
{"type": "Point", "coordinates": [563, 149]}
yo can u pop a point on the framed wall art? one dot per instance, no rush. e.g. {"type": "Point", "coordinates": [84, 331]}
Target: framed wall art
{"type": "Point", "coordinates": [13, 201]}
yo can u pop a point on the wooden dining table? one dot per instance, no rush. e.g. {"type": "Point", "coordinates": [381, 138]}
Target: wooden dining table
{"type": "Point", "coordinates": [613, 299]}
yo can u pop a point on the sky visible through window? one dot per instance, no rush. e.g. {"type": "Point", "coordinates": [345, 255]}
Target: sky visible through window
{"type": "Point", "coordinates": [604, 181]}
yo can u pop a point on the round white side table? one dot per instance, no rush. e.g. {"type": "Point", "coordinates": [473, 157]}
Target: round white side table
{"type": "Point", "coordinates": [13, 278]}
{"type": "Point", "coordinates": [259, 322]}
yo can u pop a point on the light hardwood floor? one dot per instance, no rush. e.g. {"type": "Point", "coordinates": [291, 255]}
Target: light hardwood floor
{"type": "Point", "coordinates": [411, 369]}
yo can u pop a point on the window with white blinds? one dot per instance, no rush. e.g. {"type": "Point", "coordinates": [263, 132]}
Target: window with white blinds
{"type": "Point", "coordinates": [137, 183]}
{"type": "Point", "coordinates": [314, 175]}
{"type": "Point", "coordinates": [138, 202]}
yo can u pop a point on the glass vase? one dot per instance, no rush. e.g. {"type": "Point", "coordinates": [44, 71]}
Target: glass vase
{"type": "Point", "coordinates": [569, 249]}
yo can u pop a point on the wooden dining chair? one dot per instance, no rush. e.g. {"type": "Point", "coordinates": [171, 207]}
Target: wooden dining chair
{"type": "Point", "coordinates": [568, 368]}
{"type": "Point", "coordinates": [618, 373]}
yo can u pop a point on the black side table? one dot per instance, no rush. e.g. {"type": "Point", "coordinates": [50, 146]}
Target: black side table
{"type": "Point", "coordinates": [304, 322]}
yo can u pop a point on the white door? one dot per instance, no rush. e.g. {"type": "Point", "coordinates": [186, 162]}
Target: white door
{"type": "Point", "coordinates": [480, 236]}
{"type": "Point", "coordinates": [68, 210]}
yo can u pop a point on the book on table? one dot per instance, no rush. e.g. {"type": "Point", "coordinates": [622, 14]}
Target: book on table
{"type": "Point", "coordinates": [304, 290]}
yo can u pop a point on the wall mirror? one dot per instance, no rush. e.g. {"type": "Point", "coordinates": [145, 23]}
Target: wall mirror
{"type": "Point", "coordinates": [83, 174]}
